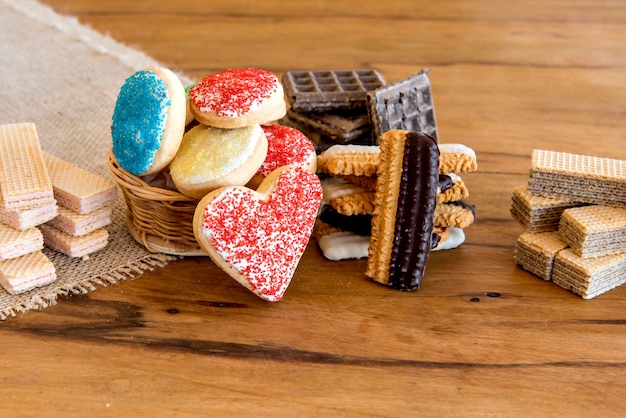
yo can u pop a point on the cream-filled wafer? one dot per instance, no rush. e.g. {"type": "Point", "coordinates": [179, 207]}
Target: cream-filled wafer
{"type": "Point", "coordinates": [406, 196]}
{"type": "Point", "coordinates": [535, 252]}
{"type": "Point", "coordinates": [75, 224]}
{"type": "Point", "coordinates": [24, 179]}
{"type": "Point", "coordinates": [74, 246]}
{"type": "Point", "coordinates": [589, 277]}
{"type": "Point", "coordinates": [538, 213]}
{"type": "Point", "coordinates": [595, 230]}
{"type": "Point", "coordinates": [29, 216]}
{"type": "Point", "coordinates": [581, 178]}
{"type": "Point", "coordinates": [15, 243]}
{"type": "Point", "coordinates": [27, 272]}
{"type": "Point", "coordinates": [78, 189]}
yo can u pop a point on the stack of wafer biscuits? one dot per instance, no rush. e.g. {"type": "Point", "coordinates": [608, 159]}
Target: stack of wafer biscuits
{"type": "Point", "coordinates": [85, 206]}
{"type": "Point", "coordinates": [26, 200]}
{"type": "Point", "coordinates": [352, 173]}
{"type": "Point", "coordinates": [574, 213]}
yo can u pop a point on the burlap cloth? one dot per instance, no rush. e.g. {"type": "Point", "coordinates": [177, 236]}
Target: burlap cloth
{"type": "Point", "coordinates": [65, 78]}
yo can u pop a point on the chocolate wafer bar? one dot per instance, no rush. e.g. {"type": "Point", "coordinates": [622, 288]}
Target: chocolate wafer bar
{"type": "Point", "coordinates": [74, 246]}
{"type": "Point", "coordinates": [580, 178]}
{"type": "Point", "coordinates": [24, 180]}
{"type": "Point", "coordinates": [535, 252]}
{"type": "Point", "coordinates": [594, 231]}
{"type": "Point", "coordinates": [78, 189]}
{"type": "Point", "coordinates": [318, 91]}
{"type": "Point", "coordinates": [406, 196]}
{"type": "Point", "coordinates": [339, 126]}
{"type": "Point", "coordinates": [24, 273]}
{"type": "Point", "coordinates": [404, 105]}
{"type": "Point", "coordinates": [15, 243]}
{"type": "Point", "coordinates": [589, 277]}
{"type": "Point", "coordinates": [538, 213]}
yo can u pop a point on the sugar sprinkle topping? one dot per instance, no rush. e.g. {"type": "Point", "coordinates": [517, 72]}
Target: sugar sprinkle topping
{"type": "Point", "coordinates": [286, 146]}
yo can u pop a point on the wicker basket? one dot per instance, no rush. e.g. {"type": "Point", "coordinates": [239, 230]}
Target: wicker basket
{"type": "Point", "coordinates": [159, 219]}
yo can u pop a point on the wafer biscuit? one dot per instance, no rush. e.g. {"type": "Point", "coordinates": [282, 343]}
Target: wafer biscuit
{"type": "Point", "coordinates": [24, 273]}
{"type": "Point", "coordinates": [406, 197]}
{"type": "Point", "coordinates": [594, 231]}
{"type": "Point", "coordinates": [538, 213]}
{"type": "Point", "coordinates": [581, 178]}
{"type": "Point", "coordinates": [74, 246]}
{"type": "Point", "coordinates": [535, 252]}
{"type": "Point", "coordinates": [349, 160]}
{"type": "Point", "coordinates": [30, 216]}
{"type": "Point", "coordinates": [75, 224]}
{"type": "Point", "coordinates": [457, 158]}
{"type": "Point", "coordinates": [15, 243]}
{"type": "Point", "coordinates": [338, 126]}
{"type": "Point", "coordinates": [318, 91]}
{"type": "Point", "coordinates": [404, 105]}
{"type": "Point", "coordinates": [24, 180]}
{"type": "Point", "coordinates": [589, 277]}
{"type": "Point", "coordinates": [78, 189]}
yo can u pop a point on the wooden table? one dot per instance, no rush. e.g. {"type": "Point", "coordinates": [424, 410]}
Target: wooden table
{"type": "Point", "coordinates": [481, 337]}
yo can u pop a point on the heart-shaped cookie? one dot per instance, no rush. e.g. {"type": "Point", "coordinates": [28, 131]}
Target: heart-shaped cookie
{"type": "Point", "coordinates": [258, 237]}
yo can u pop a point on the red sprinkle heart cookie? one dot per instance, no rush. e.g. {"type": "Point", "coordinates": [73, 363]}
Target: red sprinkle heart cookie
{"type": "Point", "coordinates": [258, 237]}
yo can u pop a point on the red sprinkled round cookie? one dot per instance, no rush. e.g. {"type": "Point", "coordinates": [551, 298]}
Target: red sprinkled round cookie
{"type": "Point", "coordinates": [285, 146]}
{"type": "Point", "coordinates": [235, 98]}
{"type": "Point", "coordinates": [258, 237]}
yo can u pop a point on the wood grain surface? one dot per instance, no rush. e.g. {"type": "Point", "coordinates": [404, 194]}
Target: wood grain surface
{"type": "Point", "coordinates": [481, 337]}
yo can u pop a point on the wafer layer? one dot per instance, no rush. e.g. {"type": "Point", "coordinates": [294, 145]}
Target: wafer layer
{"type": "Point", "coordinates": [594, 231]}
{"type": "Point", "coordinates": [24, 273]}
{"type": "Point", "coordinates": [538, 213]}
{"type": "Point", "coordinates": [76, 224]}
{"type": "Point", "coordinates": [74, 246]}
{"type": "Point", "coordinates": [15, 243]}
{"type": "Point", "coordinates": [579, 178]}
{"type": "Point", "coordinates": [30, 216]}
{"type": "Point", "coordinates": [78, 189]}
{"type": "Point", "coordinates": [535, 252]}
{"type": "Point", "coordinates": [24, 180]}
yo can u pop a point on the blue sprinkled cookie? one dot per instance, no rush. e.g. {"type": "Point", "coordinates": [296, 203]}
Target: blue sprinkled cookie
{"type": "Point", "coordinates": [148, 121]}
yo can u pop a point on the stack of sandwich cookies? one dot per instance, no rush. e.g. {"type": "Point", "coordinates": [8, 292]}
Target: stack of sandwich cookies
{"type": "Point", "coordinates": [85, 205]}
{"type": "Point", "coordinates": [588, 240]}
{"type": "Point", "coordinates": [26, 199]}
{"type": "Point", "coordinates": [330, 107]}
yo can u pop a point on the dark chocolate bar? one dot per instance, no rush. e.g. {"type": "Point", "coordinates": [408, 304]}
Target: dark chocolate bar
{"type": "Point", "coordinates": [340, 126]}
{"type": "Point", "coordinates": [320, 91]}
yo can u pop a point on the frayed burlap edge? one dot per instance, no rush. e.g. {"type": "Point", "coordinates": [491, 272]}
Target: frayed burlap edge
{"type": "Point", "coordinates": [126, 272]}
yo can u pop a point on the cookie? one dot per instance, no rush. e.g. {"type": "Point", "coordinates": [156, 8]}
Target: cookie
{"type": "Point", "coordinates": [235, 98]}
{"type": "Point", "coordinates": [349, 160]}
{"type": "Point", "coordinates": [15, 243]}
{"type": "Point", "coordinates": [457, 214]}
{"type": "Point", "coordinates": [457, 158]}
{"type": "Point", "coordinates": [538, 213]}
{"type": "Point", "coordinates": [451, 188]}
{"type": "Point", "coordinates": [285, 146]}
{"type": "Point", "coordinates": [580, 178]}
{"type": "Point", "coordinates": [24, 179]}
{"type": "Point", "coordinates": [338, 126]}
{"type": "Point", "coordinates": [148, 120]}
{"type": "Point", "coordinates": [21, 274]}
{"type": "Point", "coordinates": [403, 105]}
{"type": "Point", "coordinates": [450, 238]}
{"type": "Point", "coordinates": [258, 237]}
{"type": "Point", "coordinates": [535, 252]}
{"type": "Point", "coordinates": [337, 244]}
{"type": "Point", "coordinates": [29, 216]}
{"type": "Point", "coordinates": [76, 224]}
{"type": "Point", "coordinates": [594, 231]}
{"type": "Point", "coordinates": [403, 219]}
{"type": "Point", "coordinates": [319, 91]}
{"type": "Point", "coordinates": [588, 277]}
{"type": "Point", "coordinates": [77, 189]}
{"type": "Point", "coordinates": [210, 158]}
{"type": "Point", "coordinates": [74, 246]}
